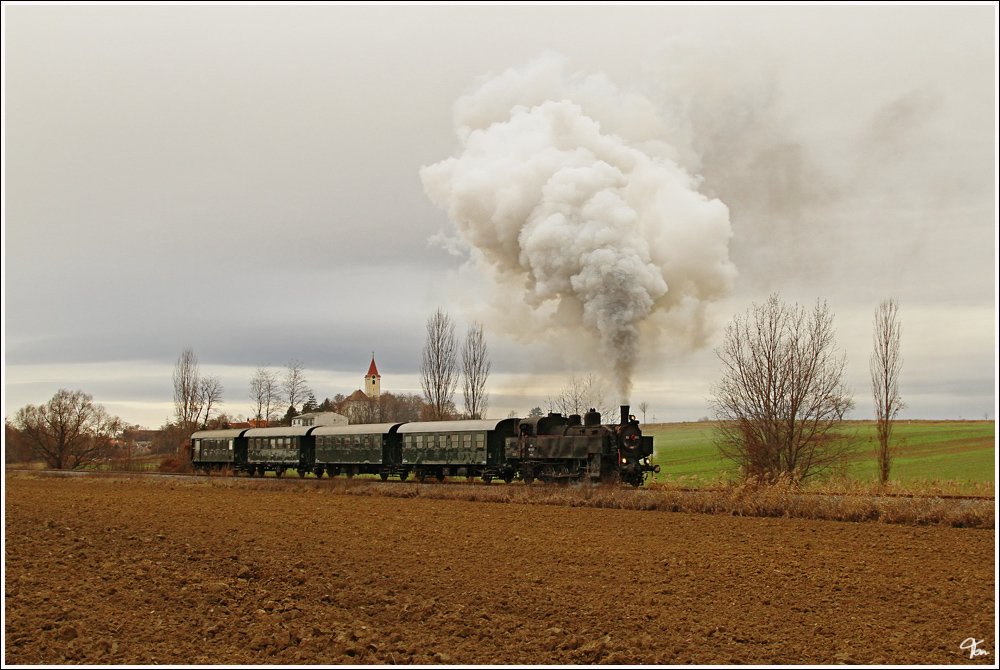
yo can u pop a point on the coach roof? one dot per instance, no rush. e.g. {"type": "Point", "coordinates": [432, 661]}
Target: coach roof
{"type": "Point", "coordinates": [280, 431]}
{"type": "Point", "coordinates": [355, 429]}
{"type": "Point", "coordinates": [451, 426]}
{"type": "Point", "coordinates": [218, 434]}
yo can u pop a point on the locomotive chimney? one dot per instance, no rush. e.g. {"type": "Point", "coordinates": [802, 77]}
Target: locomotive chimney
{"type": "Point", "coordinates": [625, 415]}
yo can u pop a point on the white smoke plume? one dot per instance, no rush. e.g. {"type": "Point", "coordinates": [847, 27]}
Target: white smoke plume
{"type": "Point", "coordinates": [567, 193]}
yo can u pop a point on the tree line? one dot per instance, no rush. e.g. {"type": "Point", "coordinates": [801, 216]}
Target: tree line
{"type": "Point", "coordinates": [779, 406]}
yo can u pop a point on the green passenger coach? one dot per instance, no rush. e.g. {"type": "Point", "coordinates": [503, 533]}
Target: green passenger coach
{"type": "Point", "coordinates": [278, 449]}
{"type": "Point", "coordinates": [357, 450]}
{"type": "Point", "coordinates": [219, 449]}
{"type": "Point", "coordinates": [454, 448]}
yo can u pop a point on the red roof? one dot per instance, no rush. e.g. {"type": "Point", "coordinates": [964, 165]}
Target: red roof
{"type": "Point", "coordinates": [372, 370]}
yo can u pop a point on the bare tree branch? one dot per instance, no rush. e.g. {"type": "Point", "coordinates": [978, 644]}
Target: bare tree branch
{"type": "Point", "coordinates": [187, 390]}
{"type": "Point", "coordinates": [211, 396]}
{"type": "Point", "coordinates": [69, 431]}
{"type": "Point", "coordinates": [265, 394]}
{"type": "Point", "coordinates": [781, 396]}
{"type": "Point", "coordinates": [582, 394]}
{"type": "Point", "coordinates": [439, 367]}
{"type": "Point", "coordinates": [475, 371]}
{"type": "Point", "coordinates": [294, 385]}
{"type": "Point", "coordinates": [885, 364]}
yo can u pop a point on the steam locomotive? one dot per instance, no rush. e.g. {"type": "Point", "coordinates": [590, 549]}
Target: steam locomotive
{"type": "Point", "coordinates": [553, 448]}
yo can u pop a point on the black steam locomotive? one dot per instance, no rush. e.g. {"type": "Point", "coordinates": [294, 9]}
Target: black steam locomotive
{"type": "Point", "coordinates": [553, 449]}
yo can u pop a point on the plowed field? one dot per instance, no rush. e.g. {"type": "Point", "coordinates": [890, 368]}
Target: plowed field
{"type": "Point", "coordinates": [120, 571]}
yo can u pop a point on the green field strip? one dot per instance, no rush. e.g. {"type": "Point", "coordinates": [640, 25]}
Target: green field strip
{"type": "Point", "coordinates": [923, 450]}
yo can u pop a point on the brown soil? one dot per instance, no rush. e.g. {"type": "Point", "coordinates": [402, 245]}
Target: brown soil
{"type": "Point", "coordinates": [102, 571]}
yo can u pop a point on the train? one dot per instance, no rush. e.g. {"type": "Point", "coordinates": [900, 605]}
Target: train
{"type": "Point", "coordinates": [552, 448]}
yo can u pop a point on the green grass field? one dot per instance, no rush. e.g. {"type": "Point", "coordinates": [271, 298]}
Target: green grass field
{"type": "Point", "coordinates": [962, 451]}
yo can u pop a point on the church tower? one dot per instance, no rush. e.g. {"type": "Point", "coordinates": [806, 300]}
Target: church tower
{"type": "Point", "coordinates": [372, 380]}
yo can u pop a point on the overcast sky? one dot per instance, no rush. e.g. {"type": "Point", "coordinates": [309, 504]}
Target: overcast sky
{"type": "Point", "coordinates": [247, 182]}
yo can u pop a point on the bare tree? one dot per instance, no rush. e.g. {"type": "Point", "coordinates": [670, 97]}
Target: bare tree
{"type": "Point", "coordinates": [69, 431]}
{"type": "Point", "coordinates": [400, 407]}
{"type": "Point", "coordinates": [172, 440]}
{"type": "Point", "coordinates": [643, 406]}
{"type": "Point", "coordinates": [885, 364]}
{"type": "Point", "coordinates": [782, 397]}
{"type": "Point", "coordinates": [439, 367]}
{"type": "Point", "coordinates": [187, 390]}
{"type": "Point", "coordinates": [211, 397]}
{"type": "Point", "coordinates": [265, 394]}
{"type": "Point", "coordinates": [475, 371]}
{"type": "Point", "coordinates": [294, 385]}
{"type": "Point", "coordinates": [14, 448]}
{"type": "Point", "coordinates": [582, 394]}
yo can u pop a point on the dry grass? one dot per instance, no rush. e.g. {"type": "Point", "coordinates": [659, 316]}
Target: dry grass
{"type": "Point", "coordinates": [783, 499]}
{"type": "Point", "coordinates": [838, 486]}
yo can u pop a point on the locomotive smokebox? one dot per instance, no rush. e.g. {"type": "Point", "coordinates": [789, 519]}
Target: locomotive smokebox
{"type": "Point", "coordinates": [625, 415]}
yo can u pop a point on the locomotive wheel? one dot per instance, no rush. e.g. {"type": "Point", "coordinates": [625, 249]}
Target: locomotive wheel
{"type": "Point", "coordinates": [319, 472]}
{"type": "Point", "coordinates": [384, 475]}
{"type": "Point", "coordinates": [548, 474]}
{"type": "Point", "coordinates": [302, 473]}
{"type": "Point", "coordinates": [403, 475]}
{"type": "Point", "coordinates": [487, 479]}
{"type": "Point", "coordinates": [279, 471]}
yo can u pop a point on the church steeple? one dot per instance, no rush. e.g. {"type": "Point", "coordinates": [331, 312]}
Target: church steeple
{"type": "Point", "coordinates": [372, 380]}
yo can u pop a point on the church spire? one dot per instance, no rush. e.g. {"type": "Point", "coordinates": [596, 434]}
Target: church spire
{"type": "Point", "coordinates": [372, 380]}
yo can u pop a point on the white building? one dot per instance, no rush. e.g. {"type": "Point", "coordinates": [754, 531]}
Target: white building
{"type": "Point", "coordinates": [320, 419]}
